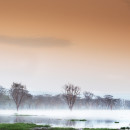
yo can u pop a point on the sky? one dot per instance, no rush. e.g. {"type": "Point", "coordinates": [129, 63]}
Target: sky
{"type": "Point", "coordinates": [45, 44]}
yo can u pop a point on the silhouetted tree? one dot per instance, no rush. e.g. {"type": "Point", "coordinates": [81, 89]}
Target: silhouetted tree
{"type": "Point", "coordinates": [110, 102]}
{"type": "Point", "coordinates": [70, 94]}
{"type": "Point", "coordinates": [99, 102]}
{"type": "Point", "coordinates": [27, 100]}
{"type": "Point", "coordinates": [3, 96]}
{"type": "Point", "coordinates": [88, 96]}
{"type": "Point", "coordinates": [18, 92]}
{"type": "Point", "coordinates": [2, 91]}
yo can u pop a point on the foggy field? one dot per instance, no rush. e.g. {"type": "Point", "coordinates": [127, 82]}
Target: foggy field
{"type": "Point", "coordinates": [66, 118]}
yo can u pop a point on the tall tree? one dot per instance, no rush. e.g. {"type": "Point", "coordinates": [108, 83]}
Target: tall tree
{"type": "Point", "coordinates": [18, 92]}
{"type": "Point", "coordinates": [70, 93]}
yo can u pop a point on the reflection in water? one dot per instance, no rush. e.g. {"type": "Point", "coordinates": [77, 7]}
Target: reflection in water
{"type": "Point", "coordinates": [69, 123]}
{"type": "Point", "coordinates": [63, 122]}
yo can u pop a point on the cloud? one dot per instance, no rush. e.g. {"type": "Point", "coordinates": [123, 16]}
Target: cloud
{"type": "Point", "coordinates": [39, 41]}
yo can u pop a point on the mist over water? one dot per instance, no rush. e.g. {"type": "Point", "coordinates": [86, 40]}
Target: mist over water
{"type": "Point", "coordinates": [68, 109]}
{"type": "Point", "coordinates": [63, 118]}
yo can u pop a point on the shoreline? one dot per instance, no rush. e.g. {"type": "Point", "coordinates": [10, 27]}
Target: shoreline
{"type": "Point", "coordinates": [31, 126]}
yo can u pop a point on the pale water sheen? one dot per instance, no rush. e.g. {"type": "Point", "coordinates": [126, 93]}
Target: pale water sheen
{"type": "Point", "coordinates": [61, 118]}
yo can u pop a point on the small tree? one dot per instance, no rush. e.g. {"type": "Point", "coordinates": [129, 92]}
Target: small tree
{"type": "Point", "coordinates": [3, 96]}
{"type": "Point", "coordinates": [88, 97]}
{"type": "Point", "coordinates": [110, 102]}
{"type": "Point", "coordinates": [70, 94]}
{"type": "Point", "coordinates": [2, 91]}
{"type": "Point", "coordinates": [27, 100]}
{"type": "Point", "coordinates": [18, 92]}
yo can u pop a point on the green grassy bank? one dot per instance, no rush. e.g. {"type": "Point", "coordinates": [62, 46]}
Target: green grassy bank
{"type": "Point", "coordinates": [28, 126]}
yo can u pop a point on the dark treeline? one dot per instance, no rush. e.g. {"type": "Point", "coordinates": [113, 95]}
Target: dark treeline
{"type": "Point", "coordinates": [18, 97]}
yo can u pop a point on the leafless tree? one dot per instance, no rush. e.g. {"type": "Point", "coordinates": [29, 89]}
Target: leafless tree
{"type": "Point", "coordinates": [70, 94]}
{"type": "Point", "coordinates": [27, 100]}
{"type": "Point", "coordinates": [2, 91]}
{"type": "Point", "coordinates": [18, 92]}
{"type": "Point", "coordinates": [3, 96]}
{"type": "Point", "coordinates": [99, 102]}
{"type": "Point", "coordinates": [110, 101]}
{"type": "Point", "coordinates": [88, 96]}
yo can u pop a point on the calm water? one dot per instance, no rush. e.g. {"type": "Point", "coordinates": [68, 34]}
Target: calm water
{"type": "Point", "coordinates": [61, 118]}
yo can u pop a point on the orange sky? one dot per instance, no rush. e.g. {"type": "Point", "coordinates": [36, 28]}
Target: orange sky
{"type": "Point", "coordinates": [48, 43]}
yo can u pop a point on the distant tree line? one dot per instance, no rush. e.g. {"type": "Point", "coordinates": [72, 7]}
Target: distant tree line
{"type": "Point", "coordinates": [18, 97]}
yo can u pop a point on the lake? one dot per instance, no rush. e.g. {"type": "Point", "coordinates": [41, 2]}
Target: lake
{"type": "Point", "coordinates": [63, 118]}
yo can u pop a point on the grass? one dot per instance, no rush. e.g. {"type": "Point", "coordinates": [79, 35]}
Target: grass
{"type": "Point", "coordinates": [78, 120]}
{"type": "Point", "coordinates": [20, 126]}
{"type": "Point", "coordinates": [116, 122]}
{"type": "Point", "coordinates": [123, 128]}
{"type": "Point", "coordinates": [29, 126]}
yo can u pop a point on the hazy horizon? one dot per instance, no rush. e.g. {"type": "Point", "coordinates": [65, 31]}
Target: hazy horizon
{"type": "Point", "coordinates": [47, 44]}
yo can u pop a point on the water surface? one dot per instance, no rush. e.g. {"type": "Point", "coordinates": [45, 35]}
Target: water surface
{"type": "Point", "coordinates": [62, 118]}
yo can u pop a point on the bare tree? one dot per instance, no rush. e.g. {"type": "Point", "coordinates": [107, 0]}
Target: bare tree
{"type": "Point", "coordinates": [3, 96]}
{"type": "Point", "coordinates": [18, 92]}
{"type": "Point", "coordinates": [110, 102]}
{"type": "Point", "coordinates": [88, 96]}
{"type": "Point", "coordinates": [27, 100]}
{"type": "Point", "coordinates": [2, 91]}
{"type": "Point", "coordinates": [70, 94]}
{"type": "Point", "coordinates": [98, 102]}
